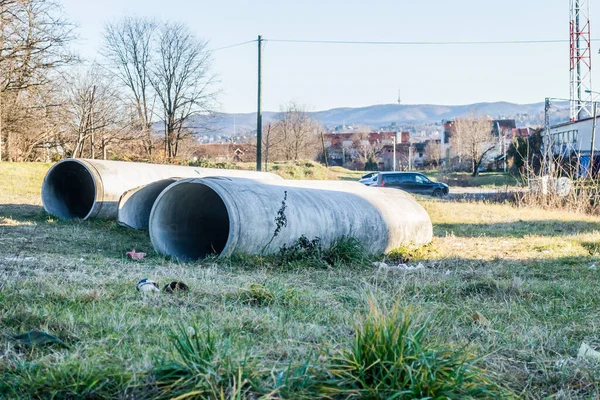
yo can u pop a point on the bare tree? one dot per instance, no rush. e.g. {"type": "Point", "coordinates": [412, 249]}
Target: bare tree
{"type": "Point", "coordinates": [271, 141]}
{"type": "Point", "coordinates": [96, 113]}
{"type": "Point", "coordinates": [433, 153]}
{"type": "Point", "coordinates": [34, 40]}
{"type": "Point", "coordinates": [473, 140]}
{"type": "Point", "coordinates": [128, 45]}
{"type": "Point", "coordinates": [296, 134]}
{"type": "Point", "coordinates": [183, 83]}
{"type": "Point", "coordinates": [366, 149]}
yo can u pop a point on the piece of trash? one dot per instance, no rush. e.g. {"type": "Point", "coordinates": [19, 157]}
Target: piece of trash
{"type": "Point", "coordinates": [401, 267]}
{"type": "Point", "coordinates": [81, 259]}
{"type": "Point", "coordinates": [38, 338]}
{"type": "Point", "coordinates": [448, 272]}
{"type": "Point", "coordinates": [480, 319]}
{"type": "Point", "coordinates": [176, 287]}
{"type": "Point", "coordinates": [586, 351]}
{"type": "Point", "coordinates": [593, 266]}
{"type": "Point", "coordinates": [379, 264]}
{"type": "Point", "coordinates": [147, 285]}
{"type": "Point", "coordinates": [134, 255]}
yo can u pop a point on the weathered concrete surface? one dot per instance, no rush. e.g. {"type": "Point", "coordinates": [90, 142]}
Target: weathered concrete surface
{"type": "Point", "coordinates": [82, 188]}
{"type": "Point", "coordinates": [135, 204]}
{"type": "Point", "coordinates": [193, 218]}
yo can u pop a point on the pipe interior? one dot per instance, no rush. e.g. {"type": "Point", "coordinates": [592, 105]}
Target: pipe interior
{"type": "Point", "coordinates": [190, 221]}
{"type": "Point", "coordinates": [69, 191]}
{"type": "Point", "coordinates": [135, 208]}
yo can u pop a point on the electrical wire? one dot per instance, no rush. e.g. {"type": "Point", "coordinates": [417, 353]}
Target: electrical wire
{"type": "Point", "coordinates": [420, 43]}
{"type": "Point", "coordinates": [234, 45]}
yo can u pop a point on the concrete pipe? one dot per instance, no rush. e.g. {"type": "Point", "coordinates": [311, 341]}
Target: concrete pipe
{"type": "Point", "coordinates": [135, 204]}
{"type": "Point", "coordinates": [80, 188]}
{"type": "Point", "coordinates": [193, 218]}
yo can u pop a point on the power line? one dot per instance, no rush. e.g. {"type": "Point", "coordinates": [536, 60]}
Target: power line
{"type": "Point", "coordinates": [234, 45]}
{"type": "Point", "coordinates": [432, 43]}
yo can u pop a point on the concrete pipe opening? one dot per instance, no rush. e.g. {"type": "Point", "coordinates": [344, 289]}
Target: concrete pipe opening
{"type": "Point", "coordinates": [69, 190]}
{"type": "Point", "coordinates": [189, 221]}
{"type": "Point", "coordinates": [136, 204]}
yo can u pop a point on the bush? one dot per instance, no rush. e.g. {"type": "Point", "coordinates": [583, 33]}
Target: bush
{"type": "Point", "coordinates": [201, 371]}
{"type": "Point", "coordinates": [206, 163]}
{"type": "Point", "coordinates": [393, 356]}
{"type": "Point", "coordinates": [343, 251]}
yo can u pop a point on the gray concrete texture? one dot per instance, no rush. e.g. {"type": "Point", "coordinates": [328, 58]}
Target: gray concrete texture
{"type": "Point", "coordinates": [82, 188]}
{"type": "Point", "coordinates": [193, 218]}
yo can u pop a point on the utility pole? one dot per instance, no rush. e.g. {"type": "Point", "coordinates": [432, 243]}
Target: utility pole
{"type": "Point", "coordinates": [593, 141]}
{"type": "Point", "coordinates": [504, 149]}
{"type": "Point", "coordinates": [410, 154]}
{"type": "Point", "coordinates": [546, 141]}
{"type": "Point", "coordinates": [394, 158]}
{"type": "Point", "coordinates": [324, 150]}
{"type": "Point", "coordinates": [259, 110]}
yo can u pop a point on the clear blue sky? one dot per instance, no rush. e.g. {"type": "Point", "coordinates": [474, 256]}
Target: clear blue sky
{"type": "Point", "coordinates": [327, 76]}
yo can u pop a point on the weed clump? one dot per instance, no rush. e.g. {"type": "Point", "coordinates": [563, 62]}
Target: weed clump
{"type": "Point", "coordinates": [200, 370]}
{"type": "Point", "coordinates": [343, 251]}
{"type": "Point", "coordinates": [393, 356]}
{"type": "Point", "coordinates": [408, 253]}
{"type": "Point", "coordinates": [257, 294]}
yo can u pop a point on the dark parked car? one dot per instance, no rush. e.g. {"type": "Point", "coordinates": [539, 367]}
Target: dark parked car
{"type": "Point", "coordinates": [369, 179]}
{"type": "Point", "coordinates": [412, 182]}
{"type": "Point", "coordinates": [369, 175]}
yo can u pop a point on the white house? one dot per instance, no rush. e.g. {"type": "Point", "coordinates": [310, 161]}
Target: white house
{"type": "Point", "coordinates": [570, 137]}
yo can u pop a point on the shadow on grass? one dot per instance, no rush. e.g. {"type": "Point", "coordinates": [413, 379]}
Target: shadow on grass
{"type": "Point", "coordinates": [29, 229]}
{"type": "Point", "coordinates": [22, 212]}
{"type": "Point", "coordinates": [517, 229]}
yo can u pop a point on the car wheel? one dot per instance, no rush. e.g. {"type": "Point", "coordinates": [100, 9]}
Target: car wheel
{"type": "Point", "coordinates": [438, 193]}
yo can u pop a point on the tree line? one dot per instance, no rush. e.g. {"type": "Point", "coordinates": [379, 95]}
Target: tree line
{"type": "Point", "coordinates": [152, 80]}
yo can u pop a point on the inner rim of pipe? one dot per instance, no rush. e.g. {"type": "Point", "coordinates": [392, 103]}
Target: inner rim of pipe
{"type": "Point", "coordinates": [69, 190]}
{"type": "Point", "coordinates": [190, 221]}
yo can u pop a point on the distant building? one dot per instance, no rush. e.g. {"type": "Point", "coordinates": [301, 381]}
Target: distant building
{"type": "Point", "coordinates": [570, 137]}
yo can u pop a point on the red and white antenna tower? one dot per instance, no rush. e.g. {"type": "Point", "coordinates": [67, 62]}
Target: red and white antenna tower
{"type": "Point", "coordinates": [581, 60]}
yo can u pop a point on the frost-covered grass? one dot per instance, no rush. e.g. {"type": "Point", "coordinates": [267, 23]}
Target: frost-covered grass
{"type": "Point", "coordinates": [259, 327]}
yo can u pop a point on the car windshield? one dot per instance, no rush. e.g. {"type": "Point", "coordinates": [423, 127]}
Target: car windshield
{"type": "Point", "coordinates": [422, 179]}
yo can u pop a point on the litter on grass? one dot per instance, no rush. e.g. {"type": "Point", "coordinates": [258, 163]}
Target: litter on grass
{"type": "Point", "coordinates": [586, 352]}
{"type": "Point", "coordinates": [134, 255]}
{"type": "Point", "coordinates": [147, 285]}
{"type": "Point", "coordinates": [176, 287]}
{"type": "Point", "coordinates": [400, 267]}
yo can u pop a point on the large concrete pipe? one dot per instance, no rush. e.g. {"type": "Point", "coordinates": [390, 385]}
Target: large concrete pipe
{"type": "Point", "coordinates": [80, 188]}
{"type": "Point", "coordinates": [193, 218]}
{"type": "Point", "coordinates": [135, 204]}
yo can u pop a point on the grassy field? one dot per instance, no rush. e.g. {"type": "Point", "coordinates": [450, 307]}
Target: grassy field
{"type": "Point", "coordinates": [514, 290]}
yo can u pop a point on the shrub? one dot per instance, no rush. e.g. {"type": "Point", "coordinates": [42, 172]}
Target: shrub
{"type": "Point", "coordinates": [393, 356]}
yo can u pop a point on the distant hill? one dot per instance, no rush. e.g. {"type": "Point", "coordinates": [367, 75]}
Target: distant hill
{"type": "Point", "coordinates": [401, 115]}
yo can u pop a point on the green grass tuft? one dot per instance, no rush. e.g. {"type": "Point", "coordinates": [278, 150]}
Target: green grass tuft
{"type": "Point", "coordinates": [394, 356]}
{"type": "Point", "coordinates": [201, 370]}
